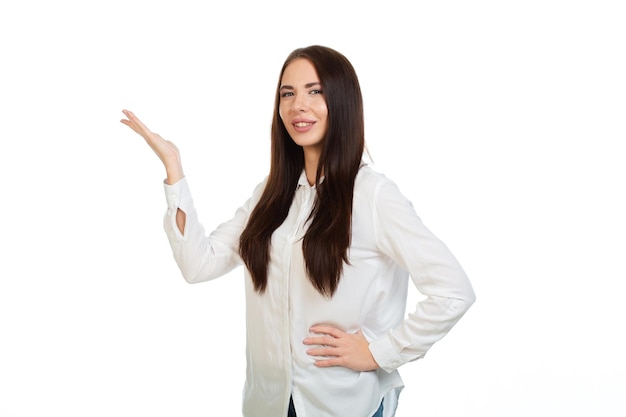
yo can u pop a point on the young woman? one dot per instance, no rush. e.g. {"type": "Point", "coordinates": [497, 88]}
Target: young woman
{"type": "Point", "coordinates": [328, 245]}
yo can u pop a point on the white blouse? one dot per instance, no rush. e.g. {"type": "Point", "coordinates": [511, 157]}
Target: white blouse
{"type": "Point", "coordinates": [389, 244]}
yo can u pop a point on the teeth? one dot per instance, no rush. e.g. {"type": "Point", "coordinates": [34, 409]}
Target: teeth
{"type": "Point", "coordinates": [303, 124]}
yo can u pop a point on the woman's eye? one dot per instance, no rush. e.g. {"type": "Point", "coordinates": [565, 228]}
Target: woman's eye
{"type": "Point", "coordinates": [315, 92]}
{"type": "Point", "coordinates": [286, 94]}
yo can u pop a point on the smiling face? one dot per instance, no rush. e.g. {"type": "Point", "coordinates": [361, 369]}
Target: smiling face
{"type": "Point", "coordinates": [302, 106]}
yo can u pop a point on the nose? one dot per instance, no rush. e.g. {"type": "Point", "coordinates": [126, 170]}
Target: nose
{"type": "Point", "coordinates": [299, 103]}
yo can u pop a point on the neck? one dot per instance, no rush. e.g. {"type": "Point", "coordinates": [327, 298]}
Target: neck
{"type": "Point", "coordinates": [311, 160]}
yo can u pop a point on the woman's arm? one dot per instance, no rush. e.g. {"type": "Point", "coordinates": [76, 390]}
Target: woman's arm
{"type": "Point", "coordinates": [433, 269]}
{"type": "Point", "coordinates": [166, 151]}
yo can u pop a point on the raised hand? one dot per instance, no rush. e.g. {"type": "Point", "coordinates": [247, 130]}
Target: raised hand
{"type": "Point", "coordinates": [166, 151]}
{"type": "Point", "coordinates": [350, 350]}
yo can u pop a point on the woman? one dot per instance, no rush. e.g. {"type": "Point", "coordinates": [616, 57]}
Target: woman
{"type": "Point", "coordinates": [328, 245]}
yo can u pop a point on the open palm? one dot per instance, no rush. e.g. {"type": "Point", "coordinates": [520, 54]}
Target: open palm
{"type": "Point", "coordinates": [166, 151]}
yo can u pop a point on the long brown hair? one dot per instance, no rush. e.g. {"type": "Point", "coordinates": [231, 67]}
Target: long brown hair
{"type": "Point", "coordinates": [326, 241]}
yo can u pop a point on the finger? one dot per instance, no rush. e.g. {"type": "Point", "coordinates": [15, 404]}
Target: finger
{"type": "Point", "coordinates": [327, 363]}
{"type": "Point", "coordinates": [130, 121]}
{"type": "Point", "coordinates": [324, 351]}
{"type": "Point", "coordinates": [139, 127]}
{"type": "Point", "coordinates": [321, 340]}
{"type": "Point", "coordinates": [329, 330]}
{"type": "Point", "coordinates": [131, 125]}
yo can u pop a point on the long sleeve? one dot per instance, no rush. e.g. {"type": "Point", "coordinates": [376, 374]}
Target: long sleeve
{"type": "Point", "coordinates": [201, 257]}
{"type": "Point", "coordinates": [402, 236]}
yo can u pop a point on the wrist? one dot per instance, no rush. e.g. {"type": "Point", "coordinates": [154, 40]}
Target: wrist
{"type": "Point", "coordinates": [174, 175]}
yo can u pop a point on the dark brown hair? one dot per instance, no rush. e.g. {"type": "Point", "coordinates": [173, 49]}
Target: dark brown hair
{"type": "Point", "coordinates": [326, 242]}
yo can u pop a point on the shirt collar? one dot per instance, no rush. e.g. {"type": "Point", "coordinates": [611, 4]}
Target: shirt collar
{"type": "Point", "coordinates": [304, 181]}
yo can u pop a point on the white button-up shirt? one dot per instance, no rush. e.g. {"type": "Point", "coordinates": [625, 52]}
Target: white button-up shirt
{"type": "Point", "coordinates": [389, 245]}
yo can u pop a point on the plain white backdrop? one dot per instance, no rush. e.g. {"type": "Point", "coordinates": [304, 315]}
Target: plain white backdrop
{"type": "Point", "coordinates": [503, 122]}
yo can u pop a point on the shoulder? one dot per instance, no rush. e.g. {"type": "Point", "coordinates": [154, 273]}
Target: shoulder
{"type": "Point", "coordinates": [370, 181]}
{"type": "Point", "coordinates": [368, 176]}
{"type": "Point", "coordinates": [259, 189]}
{"type": "Point", "coordinates": [253, 198]}
{"type": "Point", "coordinates": [379, 192]}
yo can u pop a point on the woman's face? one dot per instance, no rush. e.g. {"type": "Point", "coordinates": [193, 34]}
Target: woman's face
{"type": "Point", "coordinates": [302, 105]}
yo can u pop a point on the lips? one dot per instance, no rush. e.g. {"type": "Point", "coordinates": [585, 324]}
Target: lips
{"type": "Point", "coordinates": [302, 125]}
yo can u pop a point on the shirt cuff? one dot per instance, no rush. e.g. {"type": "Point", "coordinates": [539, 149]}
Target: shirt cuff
{"type": "Point", "coordinates": [385, 354]}
{"type": "Point", "coordinates": [177, 194]}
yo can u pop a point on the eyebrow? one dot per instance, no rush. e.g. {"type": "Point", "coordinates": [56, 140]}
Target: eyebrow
{"type": "Point", "coordinates": [308, 85]}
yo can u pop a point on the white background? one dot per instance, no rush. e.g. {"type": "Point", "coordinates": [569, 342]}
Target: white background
{"type": "Point", "coordinates": [502, 121]}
